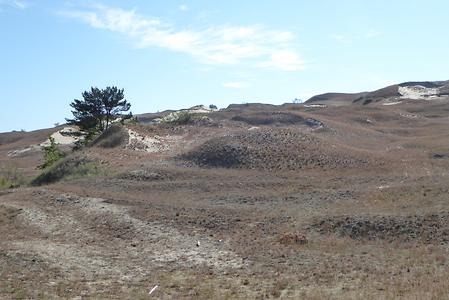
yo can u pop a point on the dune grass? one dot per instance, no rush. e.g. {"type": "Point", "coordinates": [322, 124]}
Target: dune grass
{"type": "Point", "coordinates": [69, 168]}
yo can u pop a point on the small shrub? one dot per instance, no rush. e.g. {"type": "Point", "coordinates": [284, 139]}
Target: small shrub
{"type": "Point", "coordinates": [184, 117]}
{"type": "Point", "coordinates": [178, 118]}
{"type": "Point", "coordinates": [290, 238]}
{"type": "Point", "coordinates": [52, 154]}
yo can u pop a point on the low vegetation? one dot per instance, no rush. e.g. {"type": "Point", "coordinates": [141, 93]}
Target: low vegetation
{"type": "Point", "coordinates": [264, 118]}
{"type": "Point", "coordinates": [51, 153]}
{"type": "Point", "coordinates": [113, 137]}
{"type": "Point", "coordinates": [178, 118]}
{"type": "Point", "coordinates": [273, 149]}
{"type": "Point", "coordinates": [68, 168]}
{"type": "Point", "coordinates": [251, 202]}
{"type": "Point", "coordinates": [11, 177]}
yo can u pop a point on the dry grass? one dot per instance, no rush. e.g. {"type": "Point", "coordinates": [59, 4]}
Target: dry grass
{"type": "Point", "coordinates": [11, 177]}
{"type": "Point", "coordinates": [237, 233]}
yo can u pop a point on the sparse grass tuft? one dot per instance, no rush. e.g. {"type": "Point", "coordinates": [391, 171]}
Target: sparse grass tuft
{"type": "Point", "coordinates": [11, 177]}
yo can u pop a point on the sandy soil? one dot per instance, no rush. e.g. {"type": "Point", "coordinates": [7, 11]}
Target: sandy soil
{"type": "Point", "coordinates": [360, 210]}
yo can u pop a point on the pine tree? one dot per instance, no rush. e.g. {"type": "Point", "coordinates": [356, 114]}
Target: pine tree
{"type": "Point", "coordinates": [99, 108]}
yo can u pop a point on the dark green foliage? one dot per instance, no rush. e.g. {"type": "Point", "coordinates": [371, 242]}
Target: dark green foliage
{"type": "Point", "coordinates": [178, 118]}
{"type": "Point", "coordinates": [52, 154]}
{"type": "Point", "coordinates": [98, 108]}
{"type": "Point", "coordinates": [88, 138]}
{"type": "Point", "coordinates": [184, 117]}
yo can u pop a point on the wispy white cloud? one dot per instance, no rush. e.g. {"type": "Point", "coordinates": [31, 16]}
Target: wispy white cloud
{"type": "Point", "coordinates": [183, 7]}
{"type": "Point", "coordinates": [253, 45]}
{"type": "Point", "coordinates": [14, 3]}
{"type": "Point", "coordinates": [235, 85]}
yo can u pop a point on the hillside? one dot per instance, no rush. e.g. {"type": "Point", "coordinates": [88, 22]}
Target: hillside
{"type": "Point", "coordinates": [417, 90]}
{"type": "Point", "coordinates": [344, 200]}
{"type": "Point", "coordinates": [335, 98]}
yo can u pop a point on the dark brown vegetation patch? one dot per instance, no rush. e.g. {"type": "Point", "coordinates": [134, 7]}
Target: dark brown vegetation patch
{"type": "Point", "coordinates": [270, 149]}
{"type": "Point", "coordinates": [432, 228]}
{"type": "Point", "coordinates": [440, 155]}
{"type": "Point", "coordinates": [269, 118]}
{"type": "Point", "coordinates": [113, 137]}
{"type": "Point", "coordinates": [293, 238]}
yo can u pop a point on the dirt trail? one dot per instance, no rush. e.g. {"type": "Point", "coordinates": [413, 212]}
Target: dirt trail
{"type": "Point", "coordinates": [99, 240]}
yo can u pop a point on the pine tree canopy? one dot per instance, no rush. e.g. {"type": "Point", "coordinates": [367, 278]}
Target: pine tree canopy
{"type": "Point", "coordinates": [99, 108]}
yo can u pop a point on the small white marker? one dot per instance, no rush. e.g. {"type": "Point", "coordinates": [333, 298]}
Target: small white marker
{"type": "Point", "coordinates": [153, 289]}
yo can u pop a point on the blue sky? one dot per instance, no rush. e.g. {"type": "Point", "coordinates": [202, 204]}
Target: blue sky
{"type": "Point", "coordinates": [175, 54]}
